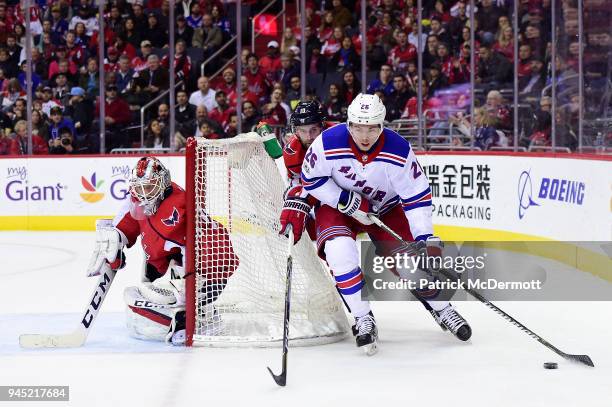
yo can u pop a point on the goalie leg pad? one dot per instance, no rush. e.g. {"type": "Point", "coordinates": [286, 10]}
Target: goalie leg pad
{"type": "Point", "coordinates": [149, 320]}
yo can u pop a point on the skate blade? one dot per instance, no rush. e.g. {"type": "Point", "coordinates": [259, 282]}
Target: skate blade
{"type": "Point", "coordinates": [371, 349]}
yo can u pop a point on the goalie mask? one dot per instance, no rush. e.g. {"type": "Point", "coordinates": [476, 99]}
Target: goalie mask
{"type": "Point", "coordinates": [366, 118]}
{"type": "Point", "coordinates": [149, 182]}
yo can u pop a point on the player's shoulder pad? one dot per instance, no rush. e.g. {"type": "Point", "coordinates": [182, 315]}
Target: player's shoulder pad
{"type": "Point", "coordinates": [170, 216]}
{"type": "Point", "coordinates": [395, 145]}
{"type": "Point", "coordinates": [336, 139]}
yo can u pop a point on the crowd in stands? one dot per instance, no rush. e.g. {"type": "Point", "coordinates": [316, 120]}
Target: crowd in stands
{"type": "Point", "coordinates": [66, 98]}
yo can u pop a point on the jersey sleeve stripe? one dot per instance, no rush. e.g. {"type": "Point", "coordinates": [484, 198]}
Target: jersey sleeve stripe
{"type": "Point", "coordinates": [313, 183]}
{"type": "Point", "coordinates": [418, 197]}
{"type": "Point", "coordinates": [416, 205]}
{"type": "Point", "coordinates": [389, 161]}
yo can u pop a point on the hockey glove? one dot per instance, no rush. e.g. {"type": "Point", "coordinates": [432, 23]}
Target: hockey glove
{"type": "Point", "coordinates": [268, 137]}
{"type": "Point", "coordinates": [109, 248]}
{"type": "Point", "coordinates": [355, 206]}
{"type": "Point", "coordinates": [432, 250]}
{"type": "Point", "coordinates": [294, 213]}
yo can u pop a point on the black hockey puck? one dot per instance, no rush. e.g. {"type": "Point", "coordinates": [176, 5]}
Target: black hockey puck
{"type": "Point", "coordinates": [550, 365]}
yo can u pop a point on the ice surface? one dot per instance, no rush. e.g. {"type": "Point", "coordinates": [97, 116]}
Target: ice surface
{"type": "Point", "coordinates": [43, 288]}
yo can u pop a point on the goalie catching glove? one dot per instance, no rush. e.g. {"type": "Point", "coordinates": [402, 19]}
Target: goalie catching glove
{"type": "Point", "coordinates": [295, 212]}
{"type": "Point", "coordinates": [355, 206]}
{"type": "Point", "coordinates": [109, 248]}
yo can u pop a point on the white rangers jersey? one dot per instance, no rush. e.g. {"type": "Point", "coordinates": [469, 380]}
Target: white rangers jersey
{"type": "Point", "coordinates": [386, 175]}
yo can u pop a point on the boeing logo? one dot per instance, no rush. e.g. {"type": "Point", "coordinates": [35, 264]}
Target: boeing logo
{"type": "Point", "coordinates": [525, 193]}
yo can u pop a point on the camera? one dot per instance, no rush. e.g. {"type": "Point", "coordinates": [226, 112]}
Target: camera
{"type": "Point", "coordinates": [66, 141]}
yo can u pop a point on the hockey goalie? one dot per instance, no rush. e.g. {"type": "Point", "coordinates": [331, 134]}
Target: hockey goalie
{"type": "Point", "coordinates": [155, 211]}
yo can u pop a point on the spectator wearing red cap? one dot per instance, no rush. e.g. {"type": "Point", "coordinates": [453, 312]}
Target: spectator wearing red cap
{"type": "Point", "coordinates": [111, 62]}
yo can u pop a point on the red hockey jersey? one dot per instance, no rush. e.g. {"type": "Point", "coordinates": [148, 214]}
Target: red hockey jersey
{"type": "Point", "coordinates": [163, 237]}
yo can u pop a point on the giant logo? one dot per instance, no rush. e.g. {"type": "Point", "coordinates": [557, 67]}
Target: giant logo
{"type": "Point", "coordinates": [92, 187]}
{"type": "Point", "coordinates": [19, 188]}
{"type": "Point", "coordinates": [119, 189]}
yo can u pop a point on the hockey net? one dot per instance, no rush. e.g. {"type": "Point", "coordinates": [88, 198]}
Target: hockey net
{"type": "Point", "coordinates": [235, 183]}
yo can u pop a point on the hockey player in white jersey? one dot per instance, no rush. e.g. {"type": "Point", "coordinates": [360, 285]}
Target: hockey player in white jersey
{"type": "Point", "coordinates": [359, 168]}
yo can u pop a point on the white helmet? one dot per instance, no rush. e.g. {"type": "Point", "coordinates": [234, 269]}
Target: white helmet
{"type": "Point", "coordinates": [366, 109]}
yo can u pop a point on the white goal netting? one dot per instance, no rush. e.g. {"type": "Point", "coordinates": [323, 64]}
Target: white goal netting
{"type": "Point", "coordinates": [240, 187]}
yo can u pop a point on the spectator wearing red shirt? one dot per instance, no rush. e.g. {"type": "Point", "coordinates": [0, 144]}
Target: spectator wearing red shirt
{"type": "Point", "coordinates": [118, 115]}
{"type": "Point", "coordinates": [333, 44]}
{"type": "Point", "coordinates": [124, 47]}
{"type": "Point", "coordinates": [76, 53]}
{"type": "Point", "coordinates": [19, 145]}
{"type": "Point", "coordinates": [221, 114]}
{"type": "Point", "coordinates": [111, 63]}
{"type": "Point", "coordinates": [429, 103]}
{"type": "Point", "coordinates": [256, 79]}
{"type": "Point", "coordinates": [402, 53]}
{"type": "Point", "coordinates": [505, 43]}
{"type": "Point", "coordinates": [270, 62]}
{"type": "Point", "coordinates": [350, 87]}
{"type": "Point", "coordinates": [326, 29]}
{"type": "Point", "coordinates": [246, 94]}
{"type": "Point", "coordinates": [207, 132]}
{"type": "Point", "coordinates": [182, 61]}
{"type": "Point", "coordinates": [227, 83]}
{"type": "Point", "coordinates": [61, 54]}
{"type": "Point", "coordinates": [140, 63]}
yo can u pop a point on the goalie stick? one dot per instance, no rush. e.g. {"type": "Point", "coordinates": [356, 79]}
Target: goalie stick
{"type": "Point", "coordinates": [584, 359]}
{"type": "Point", "coordinates": [79, 335]}
{"type": "Point", "coordinates": [281, 379]}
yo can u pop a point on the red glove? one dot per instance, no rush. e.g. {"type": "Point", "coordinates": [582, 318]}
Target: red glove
{"type": "Point", "coordinates": [295, 212]}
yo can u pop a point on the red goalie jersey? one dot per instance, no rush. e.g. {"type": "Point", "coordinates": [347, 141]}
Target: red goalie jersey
{"type": "Point", "coordinates": [163, 237]}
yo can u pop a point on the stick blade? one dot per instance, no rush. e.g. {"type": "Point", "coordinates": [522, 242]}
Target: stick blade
{"type": "Point", "coordinates": [281, 379]}
{"type": "Point", "coordinates": [584, 359]}
{"type": "Point", "coordinates": [33, 341]}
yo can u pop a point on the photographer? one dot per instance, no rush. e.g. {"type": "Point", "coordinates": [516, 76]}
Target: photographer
{"type": "Point", "coordinates": [63, 144]}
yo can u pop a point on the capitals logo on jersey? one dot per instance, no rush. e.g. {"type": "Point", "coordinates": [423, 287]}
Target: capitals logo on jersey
{"type": "Point", "coordinates": [173, 220]}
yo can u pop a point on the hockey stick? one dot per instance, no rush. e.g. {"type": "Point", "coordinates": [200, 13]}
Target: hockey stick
{"type": "Point", "coordinates": [78, 337]}
{"type": "Point", "coordinates": [584, 359]}
{"type": "Point", "coordinates": [281, 379]}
